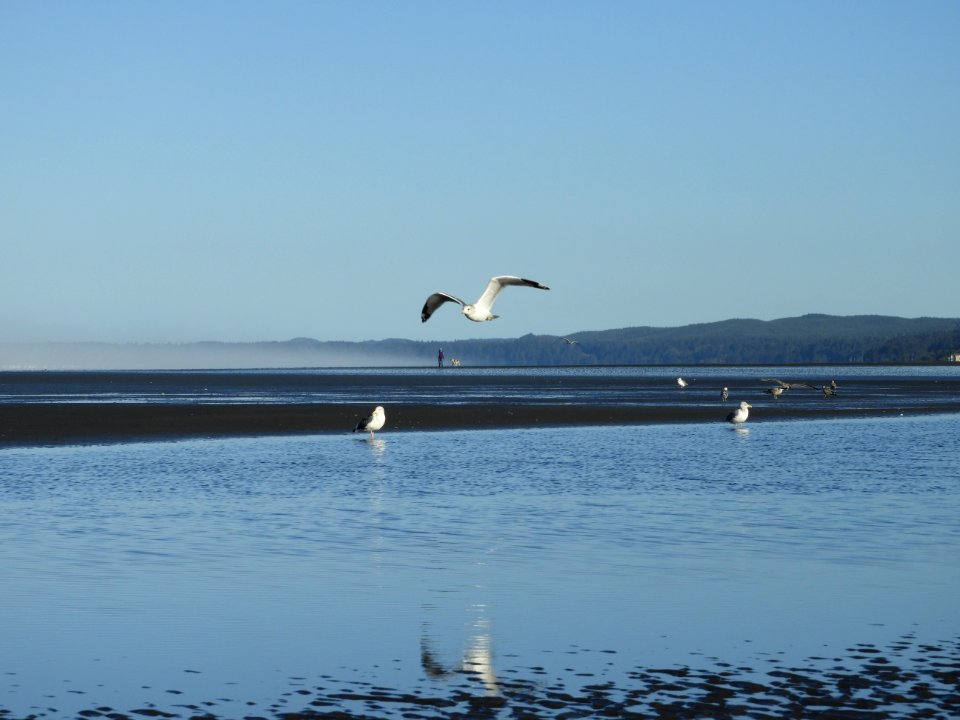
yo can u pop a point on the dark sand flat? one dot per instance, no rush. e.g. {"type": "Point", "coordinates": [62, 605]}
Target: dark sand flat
{"type": "Point", "coordinates": [78, 423]}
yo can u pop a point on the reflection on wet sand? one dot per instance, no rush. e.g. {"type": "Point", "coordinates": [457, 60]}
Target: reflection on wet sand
{"type": "Point", "coordinates": [907, 678]}
{"type": "Point", "coordinates": [476, 661]}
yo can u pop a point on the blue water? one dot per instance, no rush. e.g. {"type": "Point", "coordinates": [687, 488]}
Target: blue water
{"type": "Point", "coordinates": [238, 576]}
{"type": "Point", "coordinates": [593, 385]}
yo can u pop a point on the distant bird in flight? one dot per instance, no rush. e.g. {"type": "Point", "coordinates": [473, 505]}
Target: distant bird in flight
{"type": "Point", "coordinates": [568, 341]}
{"type": "Point", "coordinates": [682, 383]}
{"type": "Point", "coordinates": [482, 309]}
{"type": "Point", "coordinates": [740, 415]}
{"type": "Point", "coordinates": [372, 422]}
{"type": "Point", "coordinates": [724, 394]}
{"type": "Point", "coordinates": [787, 386]}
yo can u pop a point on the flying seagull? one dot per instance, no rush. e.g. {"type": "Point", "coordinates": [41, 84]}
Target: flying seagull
{"type": "Point", "coordinates": [568, 341]}
{"type": "Point", "coordinates": [482, 309]}
{"type": "Point", "coordinates": [372, 422]}
{"type": "Point", "coordinates": [740, 415]}
{"type": "Point", "coordinates": [786, 386]}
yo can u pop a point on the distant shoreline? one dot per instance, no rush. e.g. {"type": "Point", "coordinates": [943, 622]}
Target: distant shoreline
{"type": "Point", "coordinates": [431, 366]}
{"type": "Point", "coordinates": [811, 338]}
{"type": "Point", "coordinates": [53, 424]}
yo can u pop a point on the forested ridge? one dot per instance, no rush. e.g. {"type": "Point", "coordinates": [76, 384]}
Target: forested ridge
{"type": "Point", "coordinates": [800, 340]}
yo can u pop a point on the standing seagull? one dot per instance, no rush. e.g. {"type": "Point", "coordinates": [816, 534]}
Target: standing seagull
{"type": "Point", "coordinates": [776, 391]}
{"type": "Point", "coordinates": [740, 415]}
{"type": "Point", "coordinates": [482, 309]}
{"type": "Point", "coordinates": [682, 383]}
{"type": "Point", "coordinates": [372, 422]}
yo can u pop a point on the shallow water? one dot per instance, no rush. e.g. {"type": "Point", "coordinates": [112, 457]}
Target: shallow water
{"type": "Point", "coordinates": [241, 576]}
{"type": "Point", "coordinates": [881, 386]}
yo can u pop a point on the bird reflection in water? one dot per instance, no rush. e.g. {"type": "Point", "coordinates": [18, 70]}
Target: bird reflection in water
{"type": "Point", "coordinates": [476, 661]}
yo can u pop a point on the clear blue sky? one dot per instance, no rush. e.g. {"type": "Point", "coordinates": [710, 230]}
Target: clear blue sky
{"type": "Point", "coordinates": [179, 171]}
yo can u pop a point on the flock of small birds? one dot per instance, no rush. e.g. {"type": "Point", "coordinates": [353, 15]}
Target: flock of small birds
{"type": "Point", "coordinates": [740, 414]}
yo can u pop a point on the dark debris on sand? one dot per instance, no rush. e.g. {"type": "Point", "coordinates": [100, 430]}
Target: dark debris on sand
{"type": "Point", "coordinates": [906, 680]}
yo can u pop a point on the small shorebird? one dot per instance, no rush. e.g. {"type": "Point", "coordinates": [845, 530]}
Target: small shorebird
{"type": "Point", "coordinates": [775, 391]}
{"type": "Point", "coordinates": [482, 309]}
{"type": "Point", "coordinates": [373, 421]}
{"type": "Point", "coordinates": [740, 415]}
{"type": "Point", "coordinates": [724, 394]}
{"type": "Point", "coordinates": [829, 390]}
{"type": "Point", "coordinates": [682, 383]}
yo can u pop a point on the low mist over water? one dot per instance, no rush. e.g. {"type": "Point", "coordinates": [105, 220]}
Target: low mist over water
{"type": "Point", "coordinates": [160, 356]}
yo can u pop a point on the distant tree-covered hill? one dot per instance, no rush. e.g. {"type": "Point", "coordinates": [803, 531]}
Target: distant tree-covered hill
{"type": "Point", "coordinates": [806, 339]}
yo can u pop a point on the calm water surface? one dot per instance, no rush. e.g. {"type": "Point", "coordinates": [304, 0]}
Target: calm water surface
{"type": "Point", "coordinates": [860, 386]}
{"type": "Point", "coordinates": [238, 576]}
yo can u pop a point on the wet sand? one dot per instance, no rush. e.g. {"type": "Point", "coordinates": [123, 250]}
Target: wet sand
{"type": "Point", "coordinates": [905, 679]}
{"type": "Point", "coordinates": [78, 423]}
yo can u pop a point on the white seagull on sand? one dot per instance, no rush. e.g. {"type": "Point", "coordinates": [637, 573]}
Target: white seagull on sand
{"type": "Point", "coordinates": [372, 422]}
{"type": "Point", "coordinates": [740, 415]}
{"type": "Point", "coordinates": [482, 309]}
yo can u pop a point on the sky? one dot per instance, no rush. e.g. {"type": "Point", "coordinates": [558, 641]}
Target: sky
{"type": "Point", "coordinates": [240, 171]}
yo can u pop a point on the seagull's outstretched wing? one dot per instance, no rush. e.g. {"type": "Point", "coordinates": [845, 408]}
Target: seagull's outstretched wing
{"type": "Point", "coordinates": [435, 301]}
{"type": "Point", "coordinates": [786, 385]}
{"type": "Point", "coordinates": [780, 383]}
{"type": "Point", "coordinates": [497, 284]}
